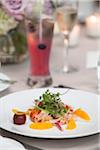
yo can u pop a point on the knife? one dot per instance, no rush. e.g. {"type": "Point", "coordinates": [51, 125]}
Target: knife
{"type": "Point", "coordinates": [7, 81]}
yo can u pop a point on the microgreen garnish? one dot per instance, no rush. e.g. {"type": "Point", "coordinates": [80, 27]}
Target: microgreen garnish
{"type": "Point", "coordinates": [51, 103]}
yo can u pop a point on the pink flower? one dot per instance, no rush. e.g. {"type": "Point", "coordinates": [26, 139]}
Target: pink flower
{"type": "Point", "coordinates": [20, 8]}
{"type": "Point", "coordinates": [15, 7]}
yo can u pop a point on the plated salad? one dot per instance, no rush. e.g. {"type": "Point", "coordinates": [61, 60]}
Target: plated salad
{"type": "Point", "coordinates": [49, 111]}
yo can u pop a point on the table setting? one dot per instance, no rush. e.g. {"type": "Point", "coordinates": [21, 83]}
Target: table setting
{"type": "Point", "coordinates": [49, 75]}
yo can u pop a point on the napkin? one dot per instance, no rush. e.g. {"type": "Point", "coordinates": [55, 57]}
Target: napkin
{"type": "Point", "coordinates": [9, 144]}
{"type": "Point", "coordinates": [92, 59]}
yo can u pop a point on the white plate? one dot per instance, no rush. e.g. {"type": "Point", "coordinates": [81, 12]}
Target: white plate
{"type": "Point", "coordinates": [24, 100]}
{"type": "Point", "coordinates": [4, 86]}
{"type": "Point", "coordinates": [9, 144]}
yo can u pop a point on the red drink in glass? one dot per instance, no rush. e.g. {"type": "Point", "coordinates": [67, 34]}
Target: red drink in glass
{"type": "Point", "coordinates": [39, 49]}
{"type": "Point", "coordinates": [39, 58]}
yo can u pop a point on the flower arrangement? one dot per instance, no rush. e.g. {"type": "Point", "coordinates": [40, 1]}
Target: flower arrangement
{"type": "Point", "coordinates": [13, 47]}
{"type": "Point", "coordinates": [15, 11]}
{"type": "Point", "coordinates": [6, 22]}
{"type": "Point", "coordinates": [20, 8]}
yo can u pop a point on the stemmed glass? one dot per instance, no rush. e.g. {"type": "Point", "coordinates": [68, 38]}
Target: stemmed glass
{"type": "Point", "coordinates": [66, 17]}
{"type": "Point", "coordinates": [98, 73]}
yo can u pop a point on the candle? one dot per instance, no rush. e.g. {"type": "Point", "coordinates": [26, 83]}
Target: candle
{"type": "Point", "coordinates": [74, 36]}
{"type": "Point", "coordinates": [93, 25]}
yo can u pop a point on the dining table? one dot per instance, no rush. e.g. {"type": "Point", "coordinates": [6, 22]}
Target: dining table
{"type": "Point", "coordinates": [84, 79]}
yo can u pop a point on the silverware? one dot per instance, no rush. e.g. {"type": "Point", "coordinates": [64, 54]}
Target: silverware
{"type": "Point", "coordinates": [7, 81]}
{"type": "Point", "coordinates": [63, 86]}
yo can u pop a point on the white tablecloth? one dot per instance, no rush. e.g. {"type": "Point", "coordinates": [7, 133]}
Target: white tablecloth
{"type": "Point", "coordinates": [84, 79]}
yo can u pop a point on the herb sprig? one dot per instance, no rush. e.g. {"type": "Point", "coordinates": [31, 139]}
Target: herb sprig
{"type": "Point", "coordinates": [51, 103]}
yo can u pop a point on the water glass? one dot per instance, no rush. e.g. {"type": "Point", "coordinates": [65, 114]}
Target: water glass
{"type": "Point", "coordinates": [39, 38]}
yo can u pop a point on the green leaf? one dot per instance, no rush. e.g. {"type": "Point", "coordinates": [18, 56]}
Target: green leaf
{"type": "Point", "coordinates": [52, 103]}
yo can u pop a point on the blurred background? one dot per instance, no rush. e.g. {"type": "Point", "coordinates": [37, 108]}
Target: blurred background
{"type": "Point", "coordinates": [58, 49]}
{"type": "Point", "coordinates": [84, 47]}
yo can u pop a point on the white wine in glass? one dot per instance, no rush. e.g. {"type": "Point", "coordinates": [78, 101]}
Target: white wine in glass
{"type": "Point", "coordinates": [66, 17]}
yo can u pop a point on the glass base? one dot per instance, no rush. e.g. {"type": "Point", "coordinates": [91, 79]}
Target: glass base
{"type": "Point", "coordinates": [98, 88]}
{"type": "Point", "coordinates": [69, 69]}
{"type": "Point", "coordinates": [39, 81]}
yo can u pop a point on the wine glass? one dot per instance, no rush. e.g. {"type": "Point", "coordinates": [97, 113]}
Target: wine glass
{"type": "Point", "coordinates": [98, 72]}
{"type": "Point", "coordinates": [66, 17]}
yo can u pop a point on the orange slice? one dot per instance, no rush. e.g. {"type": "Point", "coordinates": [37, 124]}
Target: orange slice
{"type": "Point", "coordinates": [82, 114]}
{"type": "Point", "coordinates": [71, 124]}
{"type": "Point", "coordinates": [41, 125]}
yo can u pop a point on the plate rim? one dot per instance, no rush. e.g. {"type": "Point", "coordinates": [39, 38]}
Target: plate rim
{"type": "Point", "coordinates": [45, 88]}
{"type": "Point", "coordinates": [50, 137]}
{"type": "Point", "coordinates": [45, 136]}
